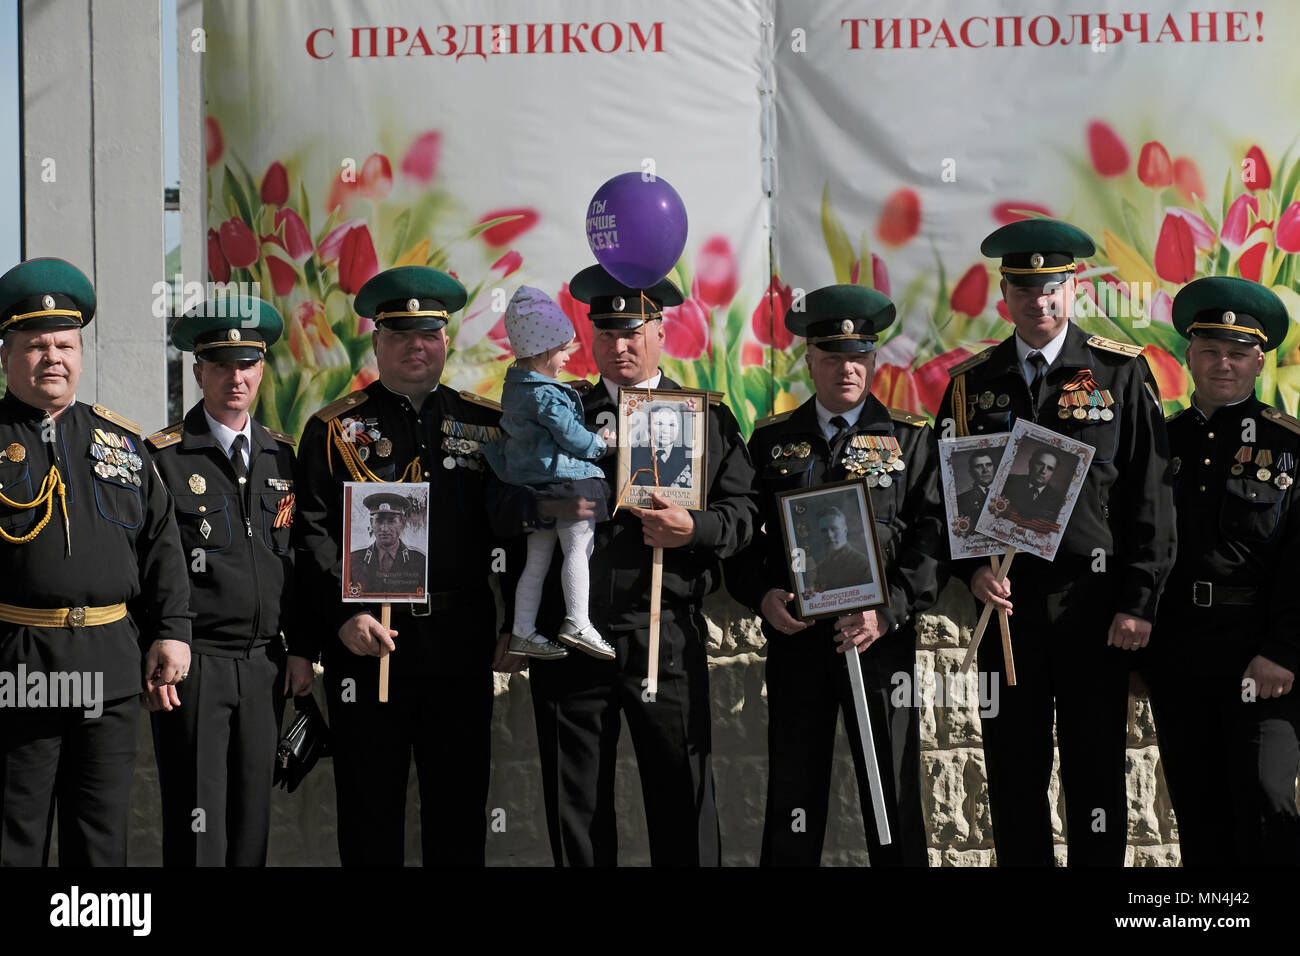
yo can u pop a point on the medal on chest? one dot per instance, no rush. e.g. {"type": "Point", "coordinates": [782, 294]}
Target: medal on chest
{"type": "Point", "coordinates": [115, 457]}
{"type": "Point", "coordinates": [1082, 398]}
{"type": "Point", "coordinates": [875, 456]}
{"type": "Point", "coordinates": [463, 442]}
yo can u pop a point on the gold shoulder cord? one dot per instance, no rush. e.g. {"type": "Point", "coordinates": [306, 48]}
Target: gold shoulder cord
{"type": "Point", "coordinates": [959, 405]}
{"type": "Point", "coordinates": [52, 484]}
{"type": "Point", "coordinates": [352, 461]}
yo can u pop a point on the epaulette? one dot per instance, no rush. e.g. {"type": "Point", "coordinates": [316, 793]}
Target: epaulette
{"type": "Point", "coordinates": [117, 419]}
{"type": "Point", "coordinates": [971, 362]}
{"type": "Point", "coordinates": [898, 415]}
{"type": "Point", "coordinates": [335, 409]}
{"type": "Point", "coordinates": [282, 437]}
{"type": "Point", "coordinates": [1119, 348]}
{"type": "Point", "coordinates": [168, 436]}
{"type": "Point", "coordinates": [773, 419]}
{"type": "Point", "coordinates": [1283, 419]}
{"type": "Point", "coordinates": [476, 399]}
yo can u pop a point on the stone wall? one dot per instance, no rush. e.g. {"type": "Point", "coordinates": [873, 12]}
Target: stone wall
{"type": "Point", "coordinates": [952, 767]}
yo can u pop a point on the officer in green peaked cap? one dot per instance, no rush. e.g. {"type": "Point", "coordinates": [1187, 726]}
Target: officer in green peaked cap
{"type": "Point", "coordinates": [1231, 308]}
{"type": "Point", "coordinates": [842, 318]}
{"type": "Point", "coordinates": [43, 294]}
{"type": "Point", "coordinates": [410, 297]}
{"type": "Point", "coordinates": [618, 306]}
{"type": "Point", "coordinates": [1035, 252]}
{"type": "Point", "coordinates": [228, 329]}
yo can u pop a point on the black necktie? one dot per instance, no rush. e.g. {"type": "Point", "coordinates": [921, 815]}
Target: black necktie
{"type": "Point", "coordinates": [841, 426]}
{"type": "Point", "coordinates": [1039, 364]}
{"type": "Point", "coordinates": [237, 459]}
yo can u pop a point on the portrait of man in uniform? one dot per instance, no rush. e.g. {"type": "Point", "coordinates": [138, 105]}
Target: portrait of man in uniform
{"type": "Point", "coordinates": [840, 565]}
{"type": "Point", "coordinates": [980, 466]}
{"type": "Point", "coordinates": [830, 534]}
{"type": "Point", "coordinates": [662, 459]}
{"type": "Point", "coordinates": [663, 450]}
{"type": "Point", "coordinates": [1034, 495]}
{"type": "Point", "coordinates": [388, 566]}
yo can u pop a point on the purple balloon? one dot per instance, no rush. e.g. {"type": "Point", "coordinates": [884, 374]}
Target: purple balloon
{"type": "Point", "coordinates": [636, 228]}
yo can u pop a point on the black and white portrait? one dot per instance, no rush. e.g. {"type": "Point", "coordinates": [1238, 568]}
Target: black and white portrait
{"type": "Point", "coordinates": [661, 447]}
{"type": "Point", "coordinates": [384, 541]}
{"type": "Point", "coordinates": [967, 467]}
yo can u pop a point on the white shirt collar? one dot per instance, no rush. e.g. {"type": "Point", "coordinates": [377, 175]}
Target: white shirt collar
{"type": "Point", "coordinates": [1050, 351]}
{"type": "Point", "coordinates": [824, 416]}
{"type": "Point", "coordinates": [651, 382]}
{"type": "Point", "coordinates": [225, 435]}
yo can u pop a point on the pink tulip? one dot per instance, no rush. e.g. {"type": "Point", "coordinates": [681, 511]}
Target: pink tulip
{"type": "Point", "coordinates": [376, 177]}
{"type": "Point", "coordinates": [297, 241]}
{"type": "Point", "coordinates": [332, 244]}
{"type": "Point", "coordinates": [238, 243]}
{"type": "Point", "coordinates": [879, 274]}
{"type": "Point", "coordinates": [1162, 307]}
{"type": "Point", "coordinates": [686, 330]}
{"type": "Point", "coordinates": [715, 273]}
{"type": "Point", "coordinates": [421, 160]}
{"type": "Point", "coordinates": [1236, 224]}
{"type": "Point", "coordinates": [1287, 236]}
{"type": "Point", "coordinates": [1108, 152]}
{"type": "Point", "coordinates": [282, 275]}
{"type": "Point", "coordinates": [1202, 234]}
{"type": "Point", "coordinates": [1187, 179]}
{"type": "Point", "coordinates": [275, 185]}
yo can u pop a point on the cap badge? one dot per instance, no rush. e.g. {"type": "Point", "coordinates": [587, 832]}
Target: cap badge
{"type": "Point", "coordinates": [619, 303]}
{"type": "Point", "coordinates": [412, 305]}
{"type": "Point", "coordinates": [846, 326]}
{"type": "Point", "coordinates": [48, 302]}
{"type": "Point", "coordinates": [1229, 318]}
{"type": "Point", "coordinates": [1036, 260]}
{"type": "Point", "coordinates": [233, 335]}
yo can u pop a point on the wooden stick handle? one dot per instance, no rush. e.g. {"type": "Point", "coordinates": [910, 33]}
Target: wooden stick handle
{"type": "Point", "coordinates": [656, 595]}
{"type": "Point", "coordinates": [1000, 574]}
{"type": "Point", "coordinates": [1008, 658]}
{"type": "Point", "coordinates": [385, 620]}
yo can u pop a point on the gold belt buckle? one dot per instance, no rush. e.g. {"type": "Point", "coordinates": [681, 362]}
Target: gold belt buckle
{"type": "Point", "coordinates": [76, 617]}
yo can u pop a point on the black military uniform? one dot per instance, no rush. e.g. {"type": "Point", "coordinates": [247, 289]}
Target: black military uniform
{"type": "Point", "coordinates": [1230, 756]}
{"type": "Point", "coordinates": [90, 577]}
{"type": "Point", "coordinates": [807, 681]}
{"type": "Point", "coordinates": [580, 702]}
{"type": "Point", "coordinates": [1113, 558]}
{"type": "Point", "coordinates": [216, 752]}
{"type": "Point", "coordinates": [440, 696]}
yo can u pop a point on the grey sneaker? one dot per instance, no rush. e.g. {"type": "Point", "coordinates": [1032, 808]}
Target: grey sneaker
{"type": "Point", "coordinates": [587, 639]}
{"type": "Point", "coordinates": [538, 647]}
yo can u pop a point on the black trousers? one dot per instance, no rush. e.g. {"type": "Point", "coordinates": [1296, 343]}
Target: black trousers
{"type": "Point", "coordinates": [808, 687]}
{"type": "Point", "coordinates": [80, 764]}
{"type": "Point", "coordinates": [580, 703]}
{"type": "Point", "coordinates": [1064, 670]}
{"type": "Point", "coordinates": [1230, 763]}
{"type": "Point", "coordinates": [216, 756]}
{"type": "Point", "coordinates": [444, 718]}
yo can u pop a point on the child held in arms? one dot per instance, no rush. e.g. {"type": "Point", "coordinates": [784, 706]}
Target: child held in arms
{"type": "Point", "coordinates": [547, 446]}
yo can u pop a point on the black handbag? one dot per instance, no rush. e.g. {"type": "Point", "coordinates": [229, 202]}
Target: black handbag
{"type": "Point", "coordinates": [305, 742]}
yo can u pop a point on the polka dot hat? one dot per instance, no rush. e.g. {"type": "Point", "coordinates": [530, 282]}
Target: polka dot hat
{"type": "Point", "coordinates": [534, 323]}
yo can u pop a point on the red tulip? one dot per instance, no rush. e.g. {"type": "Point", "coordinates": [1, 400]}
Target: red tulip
{"type": "Point", "coordinates": [879, 274]}
{"type": "Point", "coordinates": [341, 191]}
{"type": "Point", "coordinates": [282, 275]}
{"type": "Point", "coordinates": [507, 264]}
{"type": "Point", "coordinates": [769, 316]}
{"type": "Point", "coordinates": [581, 362]}
{"type": "Point", "coordinates": [1005, 212]}
{"type": "Point", "coordinates": [505, 233]}
{"type": "Point", "coordinates": [1251, 263]}
{"type": "Point", "coordinates": [275, 185]}
{"type": "Point", "coordinates": [376, 177]}
{"type": "Point", "coordinates": [686, 330]}
{"type": "Point", "coordinates": [971, 293]}
{"type": "Point", "coordinates": [332, 244]}
{"type": "Point", "coordinates": [218, 267]}
{"type": "Point", "coordinates": [1109, 154]}
{"type": "Point", "coordinates": [238, 243]}
{"type": "Point", "coordinates": [296, 239]}
{"type": "Point", "coordinates": [1175, 251]}
{"type": "Point", "coordinates": [1203, 237]}
{"type": "Point", "coordinates": [1154, 166]}
{"type": "Point", "coordinates": [751, 353]}
{"type": "Point", "coordinates": [1236, 224]}
{"type": "Point", "coordinates": [212, 140]}
{"type": "Point", "coordinates": [715, 273]}
{"type": "Point", "coordinates": [1004, 311]}
{"type": "Point", "coordinates": [895, 388]}
{"type": "Point", "coordinates": [1170, 376]}
{"type": "Point", "coordinates": [900, 219]}
{"type": "Point", "coordinates": [932, 378]}
{"type": "Point", "coordinates": [1187, 179]}
{"type": "Point", "coordinates": [421, 160]}
{"type": "Point", "coordinates": [1287, 236]}
{"type": "Point", "coordinates": [357, 260]}
{"type": "Point", "coordinates": [1255, 174]}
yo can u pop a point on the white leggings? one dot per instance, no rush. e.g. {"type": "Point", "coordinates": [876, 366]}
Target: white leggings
{"type": "Point", "coordinates": [577, 538]}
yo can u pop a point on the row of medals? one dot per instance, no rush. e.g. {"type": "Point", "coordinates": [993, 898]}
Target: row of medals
{"type": "Point", "coordinates": [876, 457]}
{"type": "Point", "coordinates": [463, 441]}
{"type": "Point", "coordinates": [1263, 458]}
{"type": "Point", "coordinates": [115, 457]}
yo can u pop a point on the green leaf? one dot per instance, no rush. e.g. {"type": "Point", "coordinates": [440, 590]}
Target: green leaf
{"type": "Point", "coordinates": [758, 388]}
{"type": "Point", "coordinates": [1132, 225]}
{"type": "Point", "coordinates": [837, 240]}
{"type": "Point", "coordinates": [1227, 195]}
{"type": "Point", "coordinates": [1289, 187]}
{"type": "Point", "coordinates": [866, 270]}
{"type": "Point", "coordinates": [482, 227]}
{"type": "Point", "coordinates": [304, 207]}
{"type": "Point", "coordinates": [398, 246]}
{"type": "Point", "coordinates": [233, 192]}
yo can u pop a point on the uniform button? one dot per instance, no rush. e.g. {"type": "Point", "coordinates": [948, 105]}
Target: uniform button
{"type": "Point", "coordinates": [1207, 461]}
{"type": "Point", "coordinates": [426, 474]}
{"type": "Point", "coordinates": [202, 508]}
{"type": "Point", "coordinates": [979, 428]}
{"type": "Point", "coordinates": [1211, 435]}
{"type": "Point", "coordinates": [1252, 494]}
{"type": "Point", "coordinates": [243, 481]}
{"type": "Point", "coordinates": [1202, 487]}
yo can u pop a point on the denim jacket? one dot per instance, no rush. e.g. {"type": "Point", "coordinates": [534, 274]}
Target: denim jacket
{"type": "Point", "coordinates": [545, 439]}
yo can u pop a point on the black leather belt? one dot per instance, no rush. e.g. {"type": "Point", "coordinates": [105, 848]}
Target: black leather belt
{"type": "Point", "coordinates": [1209, 594]}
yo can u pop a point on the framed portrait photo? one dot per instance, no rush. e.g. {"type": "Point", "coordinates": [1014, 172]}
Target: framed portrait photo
{"type": "Point", "coordinates": [836, 566]}
{"type": "Point", "coordinates": [967, 467]}
{"type": "Point", "coordinates": [662, 447]}
{"type": "Point", "coordinates": [385, 534]}
{"type": "Point", "coordinates": [1035, 489]}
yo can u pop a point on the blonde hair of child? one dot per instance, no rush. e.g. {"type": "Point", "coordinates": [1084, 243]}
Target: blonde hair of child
{"type": "Point", "coordinates": [537, 363]}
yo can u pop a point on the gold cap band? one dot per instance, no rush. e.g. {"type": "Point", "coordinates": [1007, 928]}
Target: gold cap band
{"type": "Point", "coordinates": [30, 315]}
{"type": "Point", "coordinates": [852, 336]}
{"type": "Point", "coordinates": [1012, 270]}
{"type": "Point", "coordinates": [246, 343]}
{"type": "Point", "coordinates": [1229, 328]}
{"type": "Point", "coordinates": [436, 313]}
{"type": "Point", "coordinates": [626, 315]}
